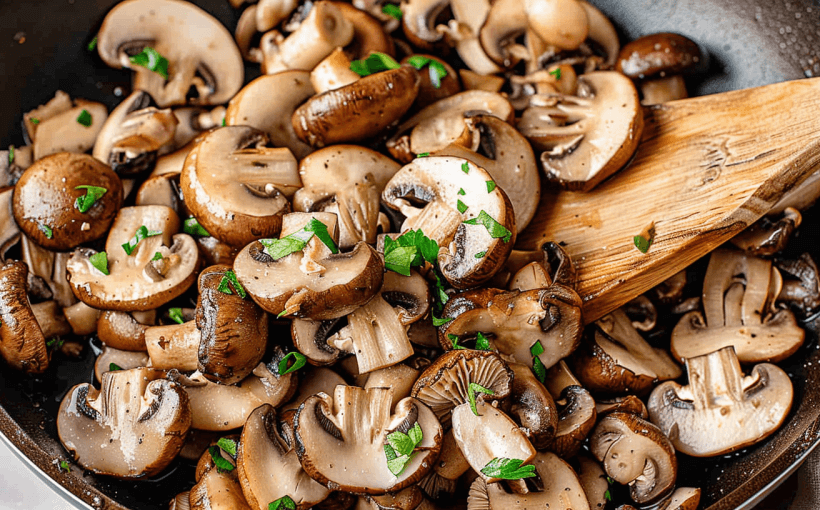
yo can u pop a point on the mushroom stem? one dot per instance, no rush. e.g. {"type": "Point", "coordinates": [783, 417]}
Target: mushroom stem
{"type": "Point", "coordinates": [174, 346]}
{"type": "Point", "coordinates": [715, 379]}
{"type": "Point", "coordinates": [333, 72]}
{"type": "Point", "coordinates": [82, 318]}
{"type": "Point", "coordinates": [50, 317]}
{"type": "Point", "coordinates": [661, 90]}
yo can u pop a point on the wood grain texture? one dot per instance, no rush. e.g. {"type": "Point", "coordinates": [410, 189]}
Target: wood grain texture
{"type": "Point", "coordinates": [707, 167]}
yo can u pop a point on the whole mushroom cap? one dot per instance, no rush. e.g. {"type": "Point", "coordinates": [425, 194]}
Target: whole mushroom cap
{"type": "Point", "coordinates": [658, 55]}
{"type": "Point", "coordinates": [45, 197]}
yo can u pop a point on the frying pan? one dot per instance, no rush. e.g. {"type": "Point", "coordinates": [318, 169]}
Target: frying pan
{"type": "Point", "coordinates": [750, 43]}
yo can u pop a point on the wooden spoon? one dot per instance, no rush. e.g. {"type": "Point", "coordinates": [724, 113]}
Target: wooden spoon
{"type": "Point", "coordinates": [706, 168]}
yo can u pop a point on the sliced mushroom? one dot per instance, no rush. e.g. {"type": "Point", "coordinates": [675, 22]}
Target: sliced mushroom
{"type": "Point", "coordinates": [111, 359]}
{"type": "Point", "coordinates": [47, 272]}
{"type": "Point", "coordinates": [533, 407]}
{"type": "Point", "coordinates": [174, 346]}
{"type": "Point", "coordinates": [333, 72]}
{"type": "Point", "coordinates": [255, 106]}
{"type": "Point", "coordinates": [194, 121]}
{"type": "Point", "coordinates": [802, 290]}
{"type": "Point", "coordinates": [399, 378]}
{"type": "Point", "coordinates": [133, 282]}
{"type": "Point", "coordinates": [432, 87]}
{"type": "Point", "coordinates": [236, 188]}
{"type": "Point", "coordinates": [721, 410]}
{"type": "Point", "coordinates": [60, 103]}
{"type": "Point", "coordinates": [123, 331]}
{"type": "Point", "coordinates": [349, 180]}
{"type": "Point", "coordinates": [82, 318]}
{"type": "Point", "coordinates": [315, 380]}
{"type": "Point", "coordinates": [517, 322]}
{"type": "Point", "coordinates": [427, 193]}
{"type": "Point", "coordinates": [418, 21]}
{"type": "Point", "coordinates": [594, 481]}
{"type": "Point", "coordinates": [57, 127]}
{"type": "Point", "coordinates": [201, 53]}
{"type": "Point", "coordinates": [268, 466]}
{"type": "Point", "coordinates": [135, 134]}
{"type": "Point", "coordinates": [45, 197]}
{"type": "Point", "coordinates": [358, 111]}
{"type": "Point", "coordinates": [22, 342]}
{"type": "Point", "coordinates": [576, 411]}
{"type": "Point", "coordinates": [353, 425]}
{"type": "Point", "coordinates": [311, 339]}
{"type": "Point", "coordinates": [216, 489]}
{"type": "Point", "coordinates": [768, 235]}
{"type": "Point", "coordinates": [616, 359]}
{"type": "Point", "coordinates": [132, 427]}
{"type": "Point", "coordinates": [506, 20]}
{"type": "Point", "coordinates": [635, 452]}
{"type": "Point", "coordinates": [463, 32]}
{"type": "Point", "coordinates": [560, 489]}
{"type": "Point", "coordinates": [738, 292]}
{"type": "Point", "coordinates": [559, 23]}
{"type": "Point", "coordinates": [234, 330]}
{"type": "Point", "coordinates": [310, 283]}
{"type": "Point", "coordinates": [410, 498]}
{"type": "Point", "coordinates": [9, 231]}
{"type": "Point", "coordinates": [369, 34]}
{"type": "Point", "coordinates": [180, 501]}
{"type": "Point", "coordinates": [588, 137]}
{"type": "Point", "coordinates": [628, 404]}
{"type": "Point", "coordinates": [657, 62]}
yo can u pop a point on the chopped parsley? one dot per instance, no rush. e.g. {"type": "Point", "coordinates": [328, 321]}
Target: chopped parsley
{"type": "Point", "coordinates": [490, 186]}
{"type": "Point", "coordinates": [100, 261]}
{"type": "Point", "coordinates": [11, 154]}
{"type": "Point", "coordinates": [465, 167]}
{"type": "Point", "coordinates": [150, 59]}
{"type": "Point", "coordinates": [34, 120]}
{"type": "Point", "coordinates": [227, 445]}
{"type": "Point", "coordinates": [440, 322]}
{"type": "Point", "coordinates": [157, 256]}
{"type": "Point", "coordinates": [508, 469]}
{"type": "Point", "coordinates": [47, 231]}
{"type": "Point", "coordinates": [645, 239]}
{"type": "Point", "coordinates": [192, 227]}
{"type": "Point", "coordinates": [93, 44]}
{"type": "Point", "coordinates": [496, 229]}
{"type": "Point", "coordinates": [538, 367]}
{"type": "Point", "coordinates": [410, 249]}
{"type": "Point", "coordinates": [221, 463]}
{"type": "Point", "coordinates": [141, 233]}
{"type": "Point", "coordinates": [480, 255]}
{"type": "Point", "coordinates": [55, 343]}
{"type": "Point", "coordinates": [423, 155]}
{"type": "Point", "coordinates": [556, 72]}
{"type": "Point", "coordinates": [437, 69]}
{"type": "Point", "coordinates": [298, 362]}
{"type": "Point", "coordinates": [113, 367]}
{"type": "Point", "coordinates": [471, 391]}
{"type": "Point", "coordinates": [461, 206]}
{"type": "Point", "coordinates": [454, 342]}
{"type": "Point", "coordinates": [374, 63]}
{"type": "Point", "coordinates": [229, 280]}
{"type": "Point", "coordinates": [63, 466]}
{"type": "Point", "coordinates": [175, 314]}
{"type": "Point", "coordinates": [481, 342]}
{"type": "Point", "coordinates": [392, 10]}
{"type": "Point", "coordinates": [92, 194]}
{"type": "Point", "coordinates": [461, 191]}
{"type": "Point", "coordinates": [278, 248]}
{"type": "Point", "coordinates": [399, 449]}
{"type": "Point", "coordinates": [84, 118]}
{"type": "Point", "coordinates": [283, 503]}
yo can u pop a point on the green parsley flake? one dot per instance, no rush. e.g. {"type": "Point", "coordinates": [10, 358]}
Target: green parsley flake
{"type": "Point", "coordinates": [556, 72]}
{"type": "Point", "coordinates": [150, 59]}
{"type": "Point", "coordinates": [11, 154]}
{"type": "Point", "coordinates": [141, 233]}
{"type": "Point", "coordinates": [392, 10]}
{"type": "Point", "coordinates": [454, 342]}
{"type": "Point", "coordinates": [221, 463]}
{"type": "Point", "coordinates": [64, 466]}
{"type": "Point", "coordinates": [55, 343]}
{"type": "Point", "coordinates": [374, 63]}
{"type": "Point", "coordinates": [465, 167]}
{"type": "Point", "coordinates": [461, 206]}
{"type": "Point", "coordinates": [480, 255]}
{"type": "Point", "coordinates": [113, 367]}
{"type": "Point", "coordinates": [228, 446]}
{"type": "Point", "coordinates": [539, 369]}
{"type": "Point", "coordinates": [192, 227]}
{"type": "Point", "coordinates": [47, 231]}
{"type": "Point", "coordinates": [223, 121]}
{"type": "Point", "coordinates": [537, 349]}
{"type": "Point", "coordinates": [607, 495]}
{"type": "Point", "coordinates": [298, 362]}
{"type": "Point", "coordinates": [93, 44]}
{"type": "Point", "coordinates": [437, 70]}
{"type": "Point", "coordinates": [471, 391]}
{"type": "Point", "coordinates": [100, 261]}
{"type": "Point", "coordinates": [399, 449]}
{"type": "Point", "coordinates": [461, 191]}
{"type": "Point", "coordinates": [440, 322]}
{"type": "Point", "coordinates": [481, 342]}
{"type": "Point", "coordinates": [645, 239]}
{"type": "Point", "coordinates": [34, 120]}
{"type": "Point", "coordinates": [496, 229]}
{"type": "Point", "coordinates": [508, 469]}
{"type": "Point", "coordinates": [423, 155]}
{"type": "Point", "coordinates": [410, 249]}
{"type": "Point", "coordinates": [278, 248]}
{"type": "Point", "coordinates": [157, 256]}
{"type": "Point", "coordinates": [175, 314]}
{"type": "Point", "coordinates": [84, 118]}
{"type": "Point", "coordinates": [92, 194]}
{"type": "Point", "coordinates": [229, 280]}
{"type": "Point", "coordinates": [490, 186]}
{"type": "Point", "coordinates": [283, 503]}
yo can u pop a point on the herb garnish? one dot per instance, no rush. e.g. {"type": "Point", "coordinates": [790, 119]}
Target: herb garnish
{"type": "Point", "coordinates": [471, 391]}
{"type": "Point", "coordinates": [192, 227]}
{"type": "Point", "coordinates": [480, 255]}
{"type": "Point", "coordinates": [538, 367]}
{"type": "Point", "coordinates": [113, 367]}
{"type": "Point", "coordinates": [374, 63]}
{"type": "Point", "coordinates": [556, 72]}
{"type": "Point", "coordinates": [410, 249]}
{"type": "Point", "coordinates": [11, 154]}
{"type": "Point", "coordinates": [141, 233]}
{"type": "Point", "coordinates": [465, 167]}
{"type": "Point", "coordinates": [298, 362]}
{"type": "Point", "coordinates": [150, 59]}
{"type": "Point", "coordinates": [47, 231]}
{"type": "Point", "coordinates": [223, 445]}
{"type": "Point", "coordinates": [437, 69]}
{"type": "Point", "coordinates": [508, 469]}
{"type": "Point", "coordinates": [34, 120]}
{"type": "Point", "coordinates": [461, 206]}
{"type": "Point", "coordinates": [440, 322]}
{"type": "Point", "coordinates": [496, 229]}
{"type": "Point", "coordinates": [157, 256]}
{"type": "Point", "coordinates": [490, 186]}
{"type": "Point", "coordinates": [93, 44]}
{"type": "Point", "coordinates": [481, 342]}
{"type": "Point", "coordinates": [175, 314]}
{"type": "Point", "coordinates": [283, 503]}
{"type": "Point", "coordinates": [461, 191]}
{"type": "Point", "coordinates": [100, 261]}
{"type": "Point", "coordinates": [229, 280]}
{"type": "Point", "coordinates": [92, 194]}
{"type": "Point", "coordinates": [64, 466]}
{"type": "Point", "coordinates": [645, 239]}
{"type": "Point", "coordinates": [399, 448]}
{"type": "Point", "coordinates": [84, 118]}
{"type": "Point", "coordinates": [55, 343]}
{"type": "Point", "coordinates": [392, 10]}
{"type": "Point", "coordinates": [423, 155]}
{"type": "Point", "coordinates": [278, 248]}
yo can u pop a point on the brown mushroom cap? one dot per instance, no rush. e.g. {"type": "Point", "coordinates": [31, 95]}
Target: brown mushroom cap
{"type": "Point", "coordinates": [357, 111]}
{"type": "Point", "coordinates": [268, 466]}
{"type": "Point", "coordinates": [721, 410]}
{"type": "Point", "coordinates": [121, 330]}
{"type": "Point", "coordinates": [234, 330]}
{"type": "Point", "coordinates": [200, 52]}
{"type": "Point", "coordinates": [217, 489]}
{"type": "Point", "coordinates": [45, 195]}
{"type": "Point", "coordinates": [354, 424]}
{"type": "Point", "coordinates": [235, 187]}
{"type": "Point", "coordinates": [429, 93]}
{"type": "Point", "coordinates": [635, 452]}
{"type": "Point", "coordinates": [533, 407]}
{"type": "Point", "coordinates": [576, 419]}
{"type": "Point", "coordinates": [132, 427]}
{"type": "Point", "coordinates": [134, 283]}
{"type": "Point", "coordinates": [658, 55]}
{"type": "Point", "coordinates": [22, 343]}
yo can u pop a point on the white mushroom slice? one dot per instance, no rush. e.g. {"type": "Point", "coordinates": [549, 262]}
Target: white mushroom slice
{"type": "Point", "coordinates": [506, 20]}
{"type": "Point", "coordinates": [315, 380]}
{"type": "Point", "coordinates": [602, 32]}
{"type": "Point", "coordinates": [399, 378]}
{"type": "Point", "coordinates": [65, 133]}
{"type": "Point", "coordinates": [60, 103]}
{"type": "Point", "coordinates": [50, 267]}
{"type": "Point", "coordinates": [128, 286]}
{"type": "Point", "coordinates": [111, 360]}
{"type": "Point", "coordinates": [237, 188]}
{"type": "Point", "coordinates": [561, 489]}
{"type": "Point", "coordinates": [738, 311]}
{"type": "Point", "coordinates": [194, 121]}
{"type": "Point", "coordinates": [269, 13]}
{"type": "Point", "coordinates": [343, 179]}
{"type": "Point", "coordinates": [721, 410]}
{"type": "Point", "coordinates": [472, 253]}
{"type": "Point", "coordinates": [200, 51]}
{"type": "Point", "coordinates": [123, 330]}
{"type": "Point", "coordinates": [463, 31]}
{"type": "Point", "coordinates": [354, 425]}
{"type": "Point", "coordinates": [418, 18]}
{"type": "Point", "coordinates": [82, 318]}
{"type": "Point", "coordinates": [267, 464]}
{"type": "Point", "coordinates": [255, 106]}
{"type": "Point", "coordinates": [324, 29]}
{"type": "Point", "coordinates": [132, 427]}
{"type": "Point", "coordinates": [588, 137]}
{"type": "Point", "coordinates": [559, 23]}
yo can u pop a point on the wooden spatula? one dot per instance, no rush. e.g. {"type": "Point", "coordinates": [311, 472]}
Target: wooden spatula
{"type": "Point", "coordinates": [706, 168]}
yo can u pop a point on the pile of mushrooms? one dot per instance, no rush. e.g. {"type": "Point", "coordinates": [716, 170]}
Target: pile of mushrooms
{"type": "Point", "coordinates": [308, 285]}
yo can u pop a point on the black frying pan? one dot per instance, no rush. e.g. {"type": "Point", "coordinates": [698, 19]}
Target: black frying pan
{"type": "Point", "coordinates": [751, 42]}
